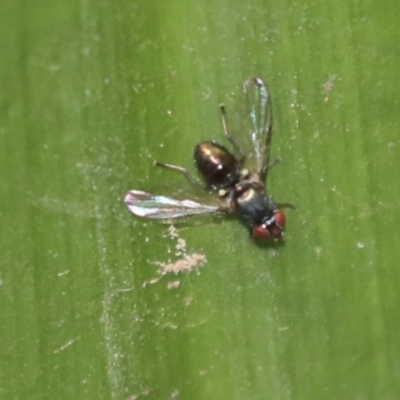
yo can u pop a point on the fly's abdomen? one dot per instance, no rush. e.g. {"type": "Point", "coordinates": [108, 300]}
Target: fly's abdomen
{"type": "Point", "coordinates": [216, 164]}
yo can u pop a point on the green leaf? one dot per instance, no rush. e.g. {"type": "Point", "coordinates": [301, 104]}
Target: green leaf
{"type": "Point", "coordinates": [91, 94]}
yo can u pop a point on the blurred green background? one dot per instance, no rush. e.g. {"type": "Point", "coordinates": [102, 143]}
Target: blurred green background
{"type": "Point", "coordinates": [91, 94]}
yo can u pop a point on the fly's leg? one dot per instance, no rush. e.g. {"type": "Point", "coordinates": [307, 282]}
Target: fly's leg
{"type": "Point", "coordinates": [267, 167]}
{"type": "Point", "coordinates": [183, 171]}
{"type": "Point", "coordinates": [228, 134]}
{"type": "Point", "coordinates": [273, 163]}
{"type": "Point", "coordinates": [286, 205]}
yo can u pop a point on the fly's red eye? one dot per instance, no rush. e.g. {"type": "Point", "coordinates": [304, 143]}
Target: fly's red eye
{"type": "Point", "coordinates": [280, 218]}
{"type": "Point", "coordinates": [261, 232]}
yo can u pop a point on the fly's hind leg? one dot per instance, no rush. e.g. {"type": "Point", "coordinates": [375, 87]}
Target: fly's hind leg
{"type": "Point", "coordinates": [181, 170]}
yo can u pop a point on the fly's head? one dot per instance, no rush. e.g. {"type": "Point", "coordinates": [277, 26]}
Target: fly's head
{"type": "Point", "coordinates": [271, 227]}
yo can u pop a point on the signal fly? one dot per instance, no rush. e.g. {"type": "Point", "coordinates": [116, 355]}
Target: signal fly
{"type": "Point", "coordinates": [238, 177]}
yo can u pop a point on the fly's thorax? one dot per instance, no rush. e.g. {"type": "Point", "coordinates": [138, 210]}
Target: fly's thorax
{"type": "Point", "coordinates": [216, 164]}
{"type": "Point", "coordinates": [253, 206]}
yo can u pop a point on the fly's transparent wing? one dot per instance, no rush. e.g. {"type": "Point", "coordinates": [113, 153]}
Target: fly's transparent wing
{"type": "Point", "coordinates": [258, 124]}
{"type": "Point", "coordinates": [143, 204]}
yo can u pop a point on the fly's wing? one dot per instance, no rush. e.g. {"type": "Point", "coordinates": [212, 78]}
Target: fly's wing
{"type": "Point", "coordinates": [258, 125]}
{"type": "Point", "coordinates": [143, 204]}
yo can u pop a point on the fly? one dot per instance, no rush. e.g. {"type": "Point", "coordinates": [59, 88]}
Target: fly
{"type": "Point", "coordinates": [238, 179]}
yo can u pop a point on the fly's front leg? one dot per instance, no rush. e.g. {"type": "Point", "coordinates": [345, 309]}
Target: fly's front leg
{"type": "Point", "coordinates": [183, 171]}
{"type": "Point", "coordinates": [286, 205]}
{"type": "Point", "coordinates": [228, 134]}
